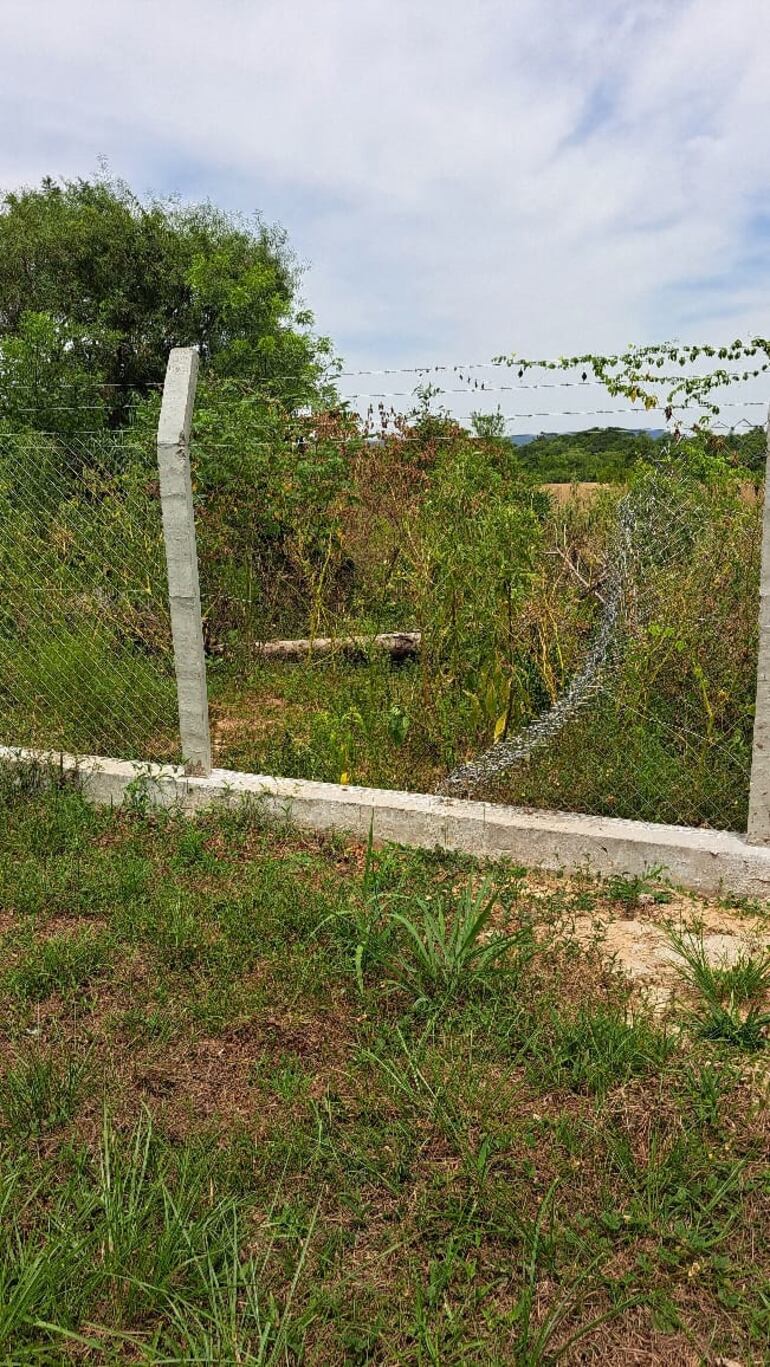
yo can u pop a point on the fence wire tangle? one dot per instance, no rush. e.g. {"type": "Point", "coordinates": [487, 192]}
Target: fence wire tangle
{"type": "Point", "coordinates": [657, 722]}
{"type": "Point", "coordinates": [85, 648]}
{"type": "Point", "coordinates": [601, 656]}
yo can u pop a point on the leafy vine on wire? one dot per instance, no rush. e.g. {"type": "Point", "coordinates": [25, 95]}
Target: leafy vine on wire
{"type": "Point", "coordinates": [632, 373]}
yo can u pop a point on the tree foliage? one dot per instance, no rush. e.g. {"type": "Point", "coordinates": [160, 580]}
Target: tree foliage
{"type": "Point", "coordinates": [93, 278]}
{"type": "Point", "coordinates": [604, 454]}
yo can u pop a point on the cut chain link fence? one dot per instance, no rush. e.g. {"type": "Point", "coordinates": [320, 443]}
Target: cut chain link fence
{"type": "Point", "coordinates": [656, 723]}
{"type": "Point", "coordinates": [634, 650]}
{"type": "Point", "coordinates": [602, 655]}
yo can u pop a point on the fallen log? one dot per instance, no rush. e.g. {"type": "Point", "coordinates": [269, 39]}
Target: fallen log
{"type": "Point", "coordinates": [400, 645]}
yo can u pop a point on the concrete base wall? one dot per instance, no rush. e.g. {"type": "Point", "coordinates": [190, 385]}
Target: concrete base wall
{"type": "Point", "coordinates": [706, 861]}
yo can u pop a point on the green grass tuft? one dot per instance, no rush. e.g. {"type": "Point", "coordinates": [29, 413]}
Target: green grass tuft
{"type": "Point", "coordinates": [39, 1093]}
{"type": "Point", "coordinates": [722, 1013]}
{"type": "Point", "coordinates": [63, 963]}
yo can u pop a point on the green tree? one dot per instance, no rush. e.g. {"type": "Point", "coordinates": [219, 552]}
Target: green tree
{"type": "Point", "coordinates": [50, 379]}
{"type": "Point", "coordinates": [604, 454]}
{"type": "Point", "coordinates": [121, 281]}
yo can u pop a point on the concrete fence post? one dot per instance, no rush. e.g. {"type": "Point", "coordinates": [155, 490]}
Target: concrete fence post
{"type": "Point", "coordinates": [759, 791]}
{"type": "Point", "coordinates": [182, 557]}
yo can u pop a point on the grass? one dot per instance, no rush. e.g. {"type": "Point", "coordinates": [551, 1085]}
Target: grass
{"type": "Point", "coordinates": [728, 997]}
{"type": "Point", "coordinates": [39, 1093]}
{"type": "Point", "coordinates": [445, 951]}
{"type": "Point", "coordinates": [268, 1097]}
{"type": "Point", "coordinates": [596, 1048]}
{"type": "Point", "coordinates": [63, 963]}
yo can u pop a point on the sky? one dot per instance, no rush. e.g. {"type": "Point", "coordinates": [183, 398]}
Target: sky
{"type": "Point", "coordinates": [461, 180]}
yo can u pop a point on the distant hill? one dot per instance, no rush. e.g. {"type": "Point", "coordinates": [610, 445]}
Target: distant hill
{"type": "Point", "coordinates": [606, 455]}
{"type": "Point", "coordinates": [601, 454]}
{"type": "Point", "coordinates": [524, 438]}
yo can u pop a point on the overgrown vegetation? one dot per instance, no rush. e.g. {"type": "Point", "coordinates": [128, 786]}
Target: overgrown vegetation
{"type": "Point", "coordinates": [312, 522]}
{"type": "Point", "coordinates": [508, 590]}
{"type": "Point", "coordinates": [267, 1097]}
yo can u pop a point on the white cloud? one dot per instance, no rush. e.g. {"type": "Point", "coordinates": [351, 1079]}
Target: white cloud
{"type": "Point", "coordinates": [545, 175]}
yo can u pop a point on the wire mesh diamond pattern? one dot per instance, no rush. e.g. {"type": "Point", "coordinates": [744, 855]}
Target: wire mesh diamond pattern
{"type": "Point", "coordinates": [86, 663]}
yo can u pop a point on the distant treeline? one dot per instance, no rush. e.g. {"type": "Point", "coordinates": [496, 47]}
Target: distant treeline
{"type": "Point", "coordinates": [608, 454]}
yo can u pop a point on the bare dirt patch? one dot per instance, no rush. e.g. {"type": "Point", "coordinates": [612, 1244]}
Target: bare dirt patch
{"type": "Point", "coordinates": [640, 945]}
{"type": "Point", "coordinates": [225, 1076]}
{"type": "Point", "coordinates": [635, 938]}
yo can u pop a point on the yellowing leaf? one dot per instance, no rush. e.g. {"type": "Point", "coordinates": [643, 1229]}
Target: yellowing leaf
{"type": "Point", "coordinates": [500, 727]}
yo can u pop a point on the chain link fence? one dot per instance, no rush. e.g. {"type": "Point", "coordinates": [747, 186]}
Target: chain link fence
{"type": "Point", "coordinates": [594, 652]}
{"type": "Point", "coordinates": [86, 664]}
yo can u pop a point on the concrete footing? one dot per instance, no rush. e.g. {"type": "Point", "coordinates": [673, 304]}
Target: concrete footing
{"type": "Point", "coordinates": [705, 861]}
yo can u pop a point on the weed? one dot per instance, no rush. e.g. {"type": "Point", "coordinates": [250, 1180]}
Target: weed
{"type": "Point", "coordinates": [363, 926]}
{"type": "Point", "coordinates": [596, 1048]}
{"type": "Point", "coordinates": [146, 1024]}
{"type": "Point", "coordinates": [232, 1316]}
{"type": "Point", "coordinates": [682, 1185]}
{"type": "Point", "coordinates": [365, 935]}
{"type": "Point", "coordinates": [727, 1025]}
{"type": "Point", "coordinates": [534, 1344]}
{"type": "Point", "coordinates": [30, 1276]}
{"type": "Point", "coordinates": [39, 1093]}
{"type": "Point", "coordinates": [706, 1088]}
{"type": "Point", "coordinates": [177, 935]}
{"type": "Point", "coordinates": [723, 990]}
{"type": "Point", "coordinates": [289, 1080]}
{"type": "Point", "coordinates": [746, 979]}
{"type": "Point", "coordinates": [628, 888]}
{"type": "Point", "coordinates": [444, 949]}
{"type": "Point", "coordinates": [192, 851]}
